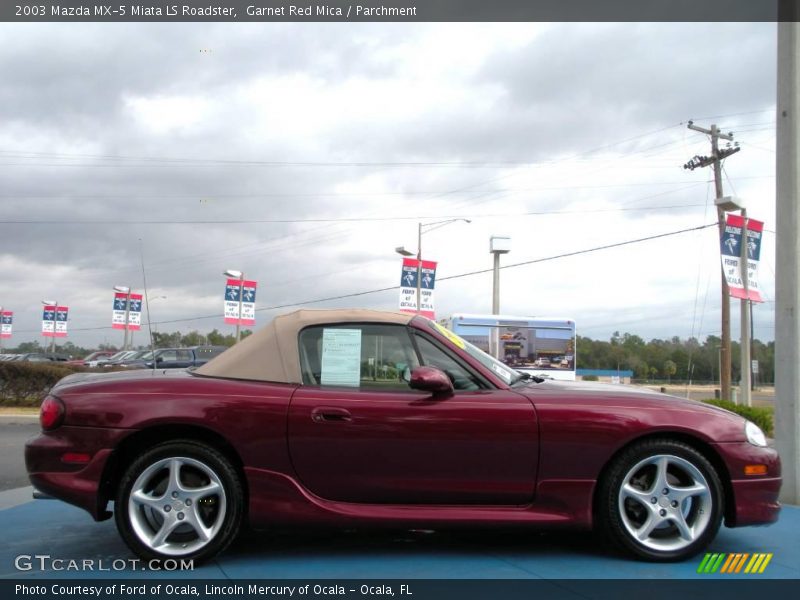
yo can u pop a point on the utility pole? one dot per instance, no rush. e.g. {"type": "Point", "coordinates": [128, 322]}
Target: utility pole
{"type": "Point", "coordinates": [715, 160]}
{"type": "Point", "coordinates": [787, 249]}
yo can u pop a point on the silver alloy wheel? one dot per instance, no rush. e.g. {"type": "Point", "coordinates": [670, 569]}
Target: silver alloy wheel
{"type": "Point", "coordinates": [177, 506]}
{"type": "Point", "coordinates": [665, 503]}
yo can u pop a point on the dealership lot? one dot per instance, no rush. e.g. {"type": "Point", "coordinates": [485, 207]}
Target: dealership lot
{"type": "Point", "coordinates": [53, 528]}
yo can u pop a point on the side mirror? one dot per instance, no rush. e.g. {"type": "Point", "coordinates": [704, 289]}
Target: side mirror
{"type": "Point", "coordinates": [431, 379]}
{"type": "Point", "coordinates": [159, 359]}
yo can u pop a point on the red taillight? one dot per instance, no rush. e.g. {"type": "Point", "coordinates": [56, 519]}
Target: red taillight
{"type": "Point", "coordinates": [78, 458]}
{"type": "Point", "coordinates": [52, 413]}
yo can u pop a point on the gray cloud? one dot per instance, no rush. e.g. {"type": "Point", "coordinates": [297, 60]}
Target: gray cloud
{"type": "Point", "coordinates": [68, 90]}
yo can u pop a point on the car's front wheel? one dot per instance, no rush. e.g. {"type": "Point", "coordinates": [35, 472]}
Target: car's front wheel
{"type": "Point", "coordinates": [180, 499]}
{"type": "Point", "coordinates": [661, 500]}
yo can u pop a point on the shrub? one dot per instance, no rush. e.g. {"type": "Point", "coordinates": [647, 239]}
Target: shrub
{"type": "Point", "coordinates": [26, 383]}
{"type": "Point", "coordinates": [759, 415]}
{"type": "Point", "coordinates": [589, 378]}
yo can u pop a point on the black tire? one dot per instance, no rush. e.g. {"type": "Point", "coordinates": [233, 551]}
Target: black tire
{"type": "Point", "coordinates": [685, 522]}
{"type": "Point", "coordinates": [197, 519]}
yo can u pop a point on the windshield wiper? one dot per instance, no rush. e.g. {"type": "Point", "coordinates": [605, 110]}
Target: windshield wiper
{"type": "Point", "coordinates": [527, 377]}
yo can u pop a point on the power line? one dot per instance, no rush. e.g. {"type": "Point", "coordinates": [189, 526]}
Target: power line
{"type": "Point", "coordinates": [214, 196]}
{"type": "Point", "coordinates": [337, 219]}
{"type": "Point", "coordinates": [450, 277]}
{"type": "Point", "coordinates": [231, 162]}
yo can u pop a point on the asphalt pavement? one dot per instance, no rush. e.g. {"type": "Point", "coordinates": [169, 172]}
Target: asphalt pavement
{"type": "Point", "coordinates": [63, 532]}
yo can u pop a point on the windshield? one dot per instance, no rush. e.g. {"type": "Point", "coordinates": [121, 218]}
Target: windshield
{"type": "Point", "coordinates": [505, 373]}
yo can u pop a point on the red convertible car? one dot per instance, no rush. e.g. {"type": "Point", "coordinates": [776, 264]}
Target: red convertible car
{"type": "Point", "coordinates": [367, 418]}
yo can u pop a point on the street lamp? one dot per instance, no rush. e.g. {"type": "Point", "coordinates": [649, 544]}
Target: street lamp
{"type": "Point", "coordinates": [424, 228]}
{"type": "Point", "coordinates": [240, 276]}
{"type": "Point", "coordinates": [54, 304]}
{"type": "Point", "coordinates": [123, 289]}
{"type": "Point", "coordinates": [498, 244]}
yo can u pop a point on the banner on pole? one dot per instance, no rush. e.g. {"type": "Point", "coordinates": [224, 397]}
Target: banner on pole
{"type": "Point", "coordinates": [6, 323]}
{"type": "Point", "coordinates": [48, 320]}
{"type": "Point", "coordinates": [54, 321]}
{"type": "Point", "coordinates": [731, 255]}
{"type": "Point", "coordinates": [408, 286]}
{"type": "Point", "coordinates": [232, 302]}
{"type": "Point", "coordinates": [62, 312]}
{"type": "Point", "coordinates": [134, 311]}
{"type": "Point", "coordinates": [118, 312]}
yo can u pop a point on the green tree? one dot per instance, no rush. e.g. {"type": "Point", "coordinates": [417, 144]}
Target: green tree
{"type": "Point", "coordinates": [166, 340]}
{"type": "Point", "coordinates": [193, 338]}
{"type": "Point", "coordinates": [670, 368]}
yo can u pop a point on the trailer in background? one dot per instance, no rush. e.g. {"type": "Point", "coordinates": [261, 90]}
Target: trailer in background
{"type": "Point", "coordinates": [540, 346]}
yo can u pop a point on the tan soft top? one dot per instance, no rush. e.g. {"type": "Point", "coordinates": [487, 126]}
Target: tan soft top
{"type": "Point", "coordinates": [272, 354]}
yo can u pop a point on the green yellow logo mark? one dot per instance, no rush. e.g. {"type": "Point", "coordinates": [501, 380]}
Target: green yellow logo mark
{"type": "Point", "coordinates": [734, 563]}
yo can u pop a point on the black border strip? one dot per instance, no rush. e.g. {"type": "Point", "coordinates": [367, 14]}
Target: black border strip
{"type": "Point", "coordinates": [386, 10]}
{"type": "Point", "coordinates": [154, 588]}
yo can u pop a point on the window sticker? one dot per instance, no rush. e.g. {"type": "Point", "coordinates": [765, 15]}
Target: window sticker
{"type": "Point", "coordinates": [341, 357]}
{"type": "Point", "coordinates": [449, 335]}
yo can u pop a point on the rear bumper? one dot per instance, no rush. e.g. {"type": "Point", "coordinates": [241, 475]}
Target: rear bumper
{"type": "Point", "coordinates": [77, 484]}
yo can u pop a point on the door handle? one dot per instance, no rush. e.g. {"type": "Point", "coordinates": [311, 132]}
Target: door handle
{"type": "Point", "coordinates": [325, 414]}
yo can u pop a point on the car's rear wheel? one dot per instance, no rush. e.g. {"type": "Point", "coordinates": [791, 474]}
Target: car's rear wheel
{"type": "Point", "coordinates": [661, 500]}
{"type": "Point", "coordinates": [180, 499]}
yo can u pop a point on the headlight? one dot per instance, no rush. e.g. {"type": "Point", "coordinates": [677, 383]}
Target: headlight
{"type": "Point", "coordinates": [754, 434]}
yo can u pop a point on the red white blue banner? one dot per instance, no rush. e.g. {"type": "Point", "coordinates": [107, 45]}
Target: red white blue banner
{"type": "Point", "coordinates": [408, 286]}
{"type": "Point", "coordinates": [54, 321]}
{"type": "Point", "coordinates": [134, 311]}
{"type": "Point", "coordinates": [62, 312]}
{"type": "Point", "coordinates": [731, 255]}
{"type": "Point", "coordinates": [234, 300]}
{"type": "Point", "coordinates": [6, 323]}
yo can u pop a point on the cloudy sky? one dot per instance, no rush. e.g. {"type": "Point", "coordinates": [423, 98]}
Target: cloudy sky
{"type": "Point", "coordinates": [303, 154]}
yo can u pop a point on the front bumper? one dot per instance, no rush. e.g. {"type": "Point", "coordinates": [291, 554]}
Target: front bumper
{"type": "Point", "coordinates": [77, 484]}
{"type": "Point", "coordinates": [755, 498]}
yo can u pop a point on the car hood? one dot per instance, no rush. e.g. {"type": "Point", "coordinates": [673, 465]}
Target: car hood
{"type": "Point", "coordinates": [626, 394]}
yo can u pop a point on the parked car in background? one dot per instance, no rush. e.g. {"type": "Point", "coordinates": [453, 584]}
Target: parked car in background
{"type": "Point", "coordinates": [175, 358]}
{"type": "Point", "coordinates": [368, 418]}
{"type": "Point", "coordinates": [121, 357]}
{"type": "Point", "coordinates": [41, 357]}
{"type": "Point", "coordinates": [92, 359]}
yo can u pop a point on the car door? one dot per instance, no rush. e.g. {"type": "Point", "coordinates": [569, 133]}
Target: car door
{"type": "Point", "coordinates": [358, 433]}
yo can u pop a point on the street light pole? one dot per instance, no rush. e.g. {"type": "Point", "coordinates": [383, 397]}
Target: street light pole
{"type": "Point", "coordinates": [744, 352]}
{"type": "Point", "coordinates": [127, 291]}
{"type": "Point", "coordinates": [240, 276]}
{"type": "Point", "coordinates": [55, 322]}
{"type": "Point", "coordinates": [419, 268]}
{"type": "Point", "coordinates": [239, 320]}
{"type": "Point", "coordinates": [497, 245]}
{"type": "Point", "coordinates": [403, 252]}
